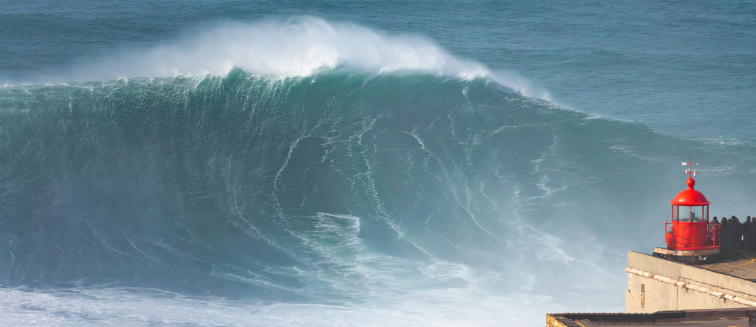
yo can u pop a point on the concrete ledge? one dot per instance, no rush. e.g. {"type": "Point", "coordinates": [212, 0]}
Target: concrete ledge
{"type": "Point", "coordinates": [683, 253]}
{"type": "Point", "coordinates": [667, 318]}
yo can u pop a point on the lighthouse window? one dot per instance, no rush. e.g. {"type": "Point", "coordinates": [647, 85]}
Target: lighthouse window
{"type": "Point", "coordinates": [692, 214]}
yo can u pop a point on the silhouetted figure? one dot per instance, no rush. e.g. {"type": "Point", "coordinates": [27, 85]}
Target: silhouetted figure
{"type": "Point", "coordinates": [746, 231]}
{"type": "Point", "coordinates": [709, 233]}
{"type": "Point", "coordinates": [753, 234]}
{"type": "Point", "coordinates": [737, 235]}
{"type": "Point", "coordinates": [713, 227]}
{"type": "Point", "coordinates": [725, 242]}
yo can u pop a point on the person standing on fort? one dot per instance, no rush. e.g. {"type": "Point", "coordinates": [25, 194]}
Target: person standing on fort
{"type": "Point", "coordinates": [724, 242]}
{"type": "Point", "coordinates": [737, 235]}
{"type": "Point", "coordinates": [732, 237]}
{"type": "Point", "coordinates": [746, 231]}
{"type": "Point", "coordinates": [732, 232]}
{"type": "Point", "coordinates": [753, 234]}
{"type": "Point", "coordinates": [710, 233]}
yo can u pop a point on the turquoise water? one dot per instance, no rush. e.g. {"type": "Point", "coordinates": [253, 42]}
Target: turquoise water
{"type": "Point", "coordinates": [299, 164]}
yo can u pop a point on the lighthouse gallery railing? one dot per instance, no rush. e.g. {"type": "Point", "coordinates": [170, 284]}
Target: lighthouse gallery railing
{"type": "Point", "coordinates": [712, 234]}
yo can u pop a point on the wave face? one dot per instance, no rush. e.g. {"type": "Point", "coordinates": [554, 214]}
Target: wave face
{"type": "Point", "coordinates": [339, 188]}
{"type": "Point", "coordinates": [390, 185]}
{"type": "Point", "coordinates": [214, 184]}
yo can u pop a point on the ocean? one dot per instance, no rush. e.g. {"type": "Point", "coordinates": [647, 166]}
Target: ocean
{"type": "Point", "coordinates": [312, 163]}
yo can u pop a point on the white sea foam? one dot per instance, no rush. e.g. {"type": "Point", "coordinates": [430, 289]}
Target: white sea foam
{"type": "Point", "coordinates": [145, 307]}
{"type": "Point", "coordinates": [296, 47]}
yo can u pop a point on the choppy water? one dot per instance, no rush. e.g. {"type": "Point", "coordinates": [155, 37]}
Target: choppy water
{"type": "Point", "coordinates": [222, 163]}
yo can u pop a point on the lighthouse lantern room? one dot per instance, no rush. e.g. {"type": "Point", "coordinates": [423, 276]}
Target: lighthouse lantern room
{"type": "Point", "coordinates": [690, 233]}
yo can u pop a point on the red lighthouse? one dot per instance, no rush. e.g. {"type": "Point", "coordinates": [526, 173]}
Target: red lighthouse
{"type": "Point", "coordinates": [690, 236]}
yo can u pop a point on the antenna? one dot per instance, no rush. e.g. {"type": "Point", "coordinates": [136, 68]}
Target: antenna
{"type": "Point", "coordinates": [690, 165]}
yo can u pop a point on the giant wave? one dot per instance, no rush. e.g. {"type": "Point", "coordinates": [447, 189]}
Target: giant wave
{"type": "Point", "coordinates": [419, 194]}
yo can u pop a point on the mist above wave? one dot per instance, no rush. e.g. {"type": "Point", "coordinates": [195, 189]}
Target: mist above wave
{"type": "Point", "coordinates": [294, 47]}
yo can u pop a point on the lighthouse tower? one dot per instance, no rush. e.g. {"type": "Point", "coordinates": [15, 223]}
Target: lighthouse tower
{"type": "Point", "coordinates": [690, 236]}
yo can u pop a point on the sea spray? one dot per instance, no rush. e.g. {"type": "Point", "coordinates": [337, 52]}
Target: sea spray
{"type": "Point", "coordinates": [296, 47]}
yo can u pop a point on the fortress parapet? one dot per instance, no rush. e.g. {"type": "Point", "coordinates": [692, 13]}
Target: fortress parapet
{"type": "Point", "coordinates": [656, 284]}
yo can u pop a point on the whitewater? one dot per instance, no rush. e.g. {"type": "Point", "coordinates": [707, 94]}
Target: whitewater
{"type": "Point", "coordinates": [305, 171]}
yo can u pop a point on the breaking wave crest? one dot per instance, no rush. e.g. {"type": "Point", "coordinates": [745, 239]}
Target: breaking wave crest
{"type": "Point", "coordinates": [296, 47]}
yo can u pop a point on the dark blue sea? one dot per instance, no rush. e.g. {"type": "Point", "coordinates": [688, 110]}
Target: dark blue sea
{"type": "Point", "coordinates": [356, 163]}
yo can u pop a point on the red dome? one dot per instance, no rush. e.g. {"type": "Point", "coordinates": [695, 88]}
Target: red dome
{"type": "Point", "coordinates": [690, 197]}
